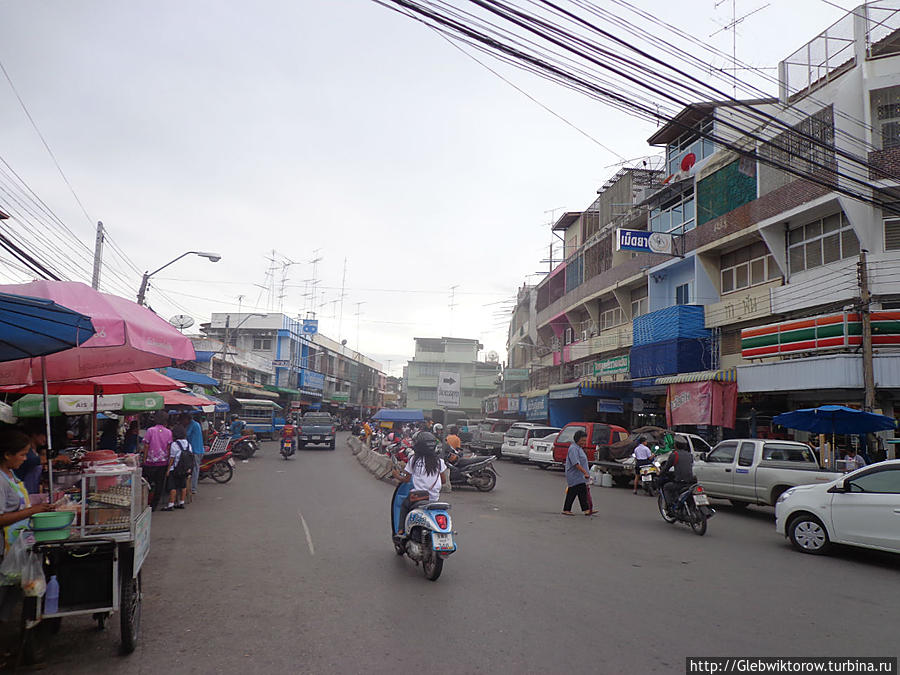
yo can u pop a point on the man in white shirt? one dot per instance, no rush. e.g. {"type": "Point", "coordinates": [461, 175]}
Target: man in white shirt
{"type": "Point", "coordinates": [642, 455]}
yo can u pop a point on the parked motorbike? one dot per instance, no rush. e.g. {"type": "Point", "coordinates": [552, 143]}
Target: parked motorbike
{"type": "Point", "coordinates": [427, 535]}
{"type": "Point", "coordinates": [217, 465]}
{"type": "Point", "coordinates": [287, 447]}
{"type": "Point", "coordinates": [691, 507]}
{"type": "Point", "coordinates": [476, 471]}
{"type": "Point", "coordinates": [242, 448]}
{"type": "Point", "coordinates": [649, 479]}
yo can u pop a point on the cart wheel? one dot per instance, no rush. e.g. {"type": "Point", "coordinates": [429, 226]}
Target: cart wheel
{"type": "Point", "coordinates": [130, 614]}
{"type": "Point", "coordinates": [100, 618]}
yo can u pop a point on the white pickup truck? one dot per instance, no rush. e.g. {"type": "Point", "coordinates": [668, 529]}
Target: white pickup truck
{"type": "Point", "coordinates": [756, 471]}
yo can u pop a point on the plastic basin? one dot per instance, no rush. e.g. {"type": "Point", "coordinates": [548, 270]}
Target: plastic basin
{"type": "Point", "coordinates": [51, 520]}
{"type": "Point", "coordinates": [51, 535]}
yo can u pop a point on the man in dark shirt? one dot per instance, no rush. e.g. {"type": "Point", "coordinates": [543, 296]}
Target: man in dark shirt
{"type": "Point", "coordinates": [676, 474]}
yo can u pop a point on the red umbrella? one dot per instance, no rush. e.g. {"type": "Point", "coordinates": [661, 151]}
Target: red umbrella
{"type": "Point", "coordinates": [120, 383]}
{"type": "Point", "coordinates": [171, 398]}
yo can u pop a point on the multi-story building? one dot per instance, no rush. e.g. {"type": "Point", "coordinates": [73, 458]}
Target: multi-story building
{"type": "Point", "coordinates": [392, 392]}
{"type": "Point", "coordinates": [455, 355]}
{"type": "Point", "coordinates": [757, 248]}
{"type": "Point", "coordinates": [308, 371]}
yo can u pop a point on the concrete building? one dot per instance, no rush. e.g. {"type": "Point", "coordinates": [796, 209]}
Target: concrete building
{"type": "Point", "coordinates": [308, 371]}
{"type": "Point", "coordinates": [446, 354]}
{"type": "Point", "coordinates": [756, 248]}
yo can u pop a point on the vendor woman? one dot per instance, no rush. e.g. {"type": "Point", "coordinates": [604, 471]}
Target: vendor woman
{"type": "Point", "coordinates": [15, 507]}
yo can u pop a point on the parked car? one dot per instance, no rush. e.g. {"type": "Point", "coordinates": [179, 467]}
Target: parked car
{"type": "Point", "coordinates": [316, 428]}
{"type": "Point", "coordinates": [861, 508]}
{"type": "Point", "coordinates": [488, 437]}
{"type": "Point", "coordinates": [540, 451]}
{"type": "Point", "coordinates": [756, 471]}
{"type": "Point", "coordinates": [517, 437]}
{"type": "Point", "coordinates": [600, 437]}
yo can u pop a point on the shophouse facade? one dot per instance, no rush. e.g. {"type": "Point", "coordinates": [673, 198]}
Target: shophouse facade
{"type": "Point", "coordinates": [758, 249]}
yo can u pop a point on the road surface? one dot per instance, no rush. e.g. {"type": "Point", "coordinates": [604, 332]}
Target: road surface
{"type": "Point", "coordinates": [289, 569]}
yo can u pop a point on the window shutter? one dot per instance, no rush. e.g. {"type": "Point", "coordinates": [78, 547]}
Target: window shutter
{"type": "Point", "coordinates": [892, 234]}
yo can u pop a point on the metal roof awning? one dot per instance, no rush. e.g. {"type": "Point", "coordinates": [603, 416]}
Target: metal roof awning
{"type": "Point", "coordinates": [535, 393]}
{"type": "Point", "coordinates": [725, 375]}
{"type": "Point", "coordinates": [259, 403]}
{"type": "Point", "coordinates": [189, 376]}
{"type": "Point", "coordinates": [283, 390]}
{"type": "Point", "coordinates": [237, 389]}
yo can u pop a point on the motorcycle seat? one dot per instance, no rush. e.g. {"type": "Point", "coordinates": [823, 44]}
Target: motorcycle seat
{"type": "Point", "coordinates": [436, 506]}
{"type": "Point", "coordinates": [468, 461]}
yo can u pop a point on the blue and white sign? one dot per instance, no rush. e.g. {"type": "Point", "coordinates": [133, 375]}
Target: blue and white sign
{"type": "Point", "coordinates": [537, 408]}
{"type": "Point", "coordinates": [312, 380]}
{"type": "Point", "coordinates": [644, 242]}
{"type": "Point", "coordinates": [310, 326]}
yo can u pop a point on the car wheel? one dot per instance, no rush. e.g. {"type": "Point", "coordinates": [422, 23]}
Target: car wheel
{"type": "Point", "coordinates": [738, 505]}
{"type": "Point", "coordinates": [808, 534]}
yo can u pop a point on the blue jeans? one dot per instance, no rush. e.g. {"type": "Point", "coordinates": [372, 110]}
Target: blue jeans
{"type": "Point", "coordinates": [195, 474]}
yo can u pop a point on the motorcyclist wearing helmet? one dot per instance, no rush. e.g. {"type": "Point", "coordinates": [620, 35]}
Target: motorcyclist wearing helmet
{"type": "Point", "coordinates": [676, 474]}
{"type": "Point", "coordinates": [438, 431]}
{"type": "Point", "coordinates": [426, 470]}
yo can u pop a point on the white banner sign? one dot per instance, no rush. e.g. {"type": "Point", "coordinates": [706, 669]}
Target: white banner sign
{"type": "Point", "coordinates": [448, 390]}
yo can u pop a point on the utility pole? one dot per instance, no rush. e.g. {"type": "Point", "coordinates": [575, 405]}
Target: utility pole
{"type": "Point", "coordinates": [865, 301]}
{"type": "Point", "coordinates": [98, 256]}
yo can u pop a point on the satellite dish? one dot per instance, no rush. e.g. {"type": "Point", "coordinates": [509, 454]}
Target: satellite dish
{"type": "Point", "coordinates": [493, 357]}
{"type": "Point", "coordinates": [181, 321]}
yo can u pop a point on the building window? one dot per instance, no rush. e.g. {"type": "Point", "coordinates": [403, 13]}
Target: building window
{"type": "Point", "coordinates": [263, 379]}
{"type": "Point", "coordinates": [429, 369]}
{"type": "Point", "coordinates": [821, 242]}
{"type": "Point", "coordinates": [683, 294]}
{"type": "Point", "coordinates": [426, 394]}
{"type": "Point", "coordinates": [886, 117]}
{"type": "Point", "coordinates": [746, 267]}
{"type": "Point", "coordinates": [676, 214]}
{"type": "Point", "coordinates": [639, 307]}
{"type": "Point", "coordinates": [612, 317]}
{"type": "Point", "coordinates": [892, 234]}
{"type": "Point", "coordinates": [690, 141]}
{"type": "Point", "coordinates": [262, 344]}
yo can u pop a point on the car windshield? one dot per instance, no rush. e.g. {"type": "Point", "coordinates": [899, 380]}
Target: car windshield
{"type": "Point", "coordinates": [567, 435]}
{"type": "Point", "coordinates": [317, 419]}
{"type": "Point", "coordinates": [540, 433]}
{"type": "Point", "coordinates": [516, 432]}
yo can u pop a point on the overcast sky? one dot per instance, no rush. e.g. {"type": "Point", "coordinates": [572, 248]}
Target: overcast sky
{"type": "Point", "coordinates": [315, 128]}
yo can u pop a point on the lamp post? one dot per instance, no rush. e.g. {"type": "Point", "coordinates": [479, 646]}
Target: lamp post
{"type": "Point", "coordinates": [212, 257]}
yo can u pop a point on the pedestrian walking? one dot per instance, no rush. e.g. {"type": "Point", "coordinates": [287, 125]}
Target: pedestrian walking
{"type": "Point", "coordinates": [577, 476]}
{"type": "Point", "coordinates": [194, 433]}
{"type": "Point", "coordinates": [179, 467]}
{"type": "Point", "coordinates": [155, 456]}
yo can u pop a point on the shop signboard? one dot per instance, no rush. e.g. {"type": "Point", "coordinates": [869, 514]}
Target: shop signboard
{"type": "Point", "coordinates": [281, 363]}
{"type": "Point", "coordinates": [571, 392]}
{"type": "Point", "coordinates": [643, 241]}
{"type": "Point", "coordinates": [340, 398]}
{"type": "Point", "coordinates": [818, 333]}
{"type": "Point", "coordinates": [706, 402]}
{"type": "Point", "coordinates": [613, 366]}
{"type": "Point", "coordinates": [515, 374]}
{"type": "Point", "coordinates": [448, 390]}
{"type": "Point", "coordinates": [537, 408]}
{"type": "Point", "coordinates": [512, 405]}
{"type": "Point", "coordinates": [310, 326]}
{"type": "Point", "coordinates": [491, 405]}
{"type": "Point", "coordinates": [312, 380]}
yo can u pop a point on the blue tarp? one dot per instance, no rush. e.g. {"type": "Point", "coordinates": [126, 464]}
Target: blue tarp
{"type": "Point", "coordinates": [221, 406]}
{"type": "Point", "coordinates": [399, 415]}
{"type": "Point", "coordinates": [190, 377]}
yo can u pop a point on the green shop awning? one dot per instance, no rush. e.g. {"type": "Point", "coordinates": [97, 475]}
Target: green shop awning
{"type": "Point", "coordinates": [283, 390]}
{"type": "Point", "coordinates": [32, 405]}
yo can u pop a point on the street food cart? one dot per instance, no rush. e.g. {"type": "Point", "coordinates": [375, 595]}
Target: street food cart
{"type": "Point", "coordinates": [98, 565]}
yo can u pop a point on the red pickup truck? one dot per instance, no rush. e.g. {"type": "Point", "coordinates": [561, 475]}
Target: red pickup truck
{"type": "Point", "coordinates": [598, 433]}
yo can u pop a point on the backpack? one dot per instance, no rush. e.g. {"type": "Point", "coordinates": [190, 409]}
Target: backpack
{"type": "Point", "coordinates": [185, 460]}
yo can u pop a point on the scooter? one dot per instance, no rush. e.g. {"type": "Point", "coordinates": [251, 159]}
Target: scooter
{"type": "Point", "coordinates": [649, 479]}
{"type": "Point", "coordinates": [217, 465]}
{"type": "Point", "coordinates": [475, 471]}
{"type": "Point", "coordinates": [427, 533]}
{"type": "Point", "coordinates": [287, 447]}
{"type": "Point", "coordinates": [691, 507]}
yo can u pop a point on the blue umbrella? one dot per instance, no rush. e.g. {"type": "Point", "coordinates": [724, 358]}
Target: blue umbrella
{"type": "Point", "coordinates": [31, 327]}
{"type": "Point", "coordinates": [835, 419]}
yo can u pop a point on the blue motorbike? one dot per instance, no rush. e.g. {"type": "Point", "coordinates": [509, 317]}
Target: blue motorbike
{"type": "Point", "coordinates": [426, 535]}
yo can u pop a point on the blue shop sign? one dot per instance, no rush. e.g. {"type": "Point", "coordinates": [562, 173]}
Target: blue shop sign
{"type": "Point", "coordinates": [571, 392]}
{"type": "Point", "coordinates": [311, 380]}
{"type": "Point", "coordinates": [537, 408]}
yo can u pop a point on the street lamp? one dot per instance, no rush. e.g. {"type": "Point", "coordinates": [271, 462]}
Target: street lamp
{"type": "Point", "coordinates": [212, 257]}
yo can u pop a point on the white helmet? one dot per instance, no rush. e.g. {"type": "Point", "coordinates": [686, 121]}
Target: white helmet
{"type": "Point", "coordinates": [437, 429]}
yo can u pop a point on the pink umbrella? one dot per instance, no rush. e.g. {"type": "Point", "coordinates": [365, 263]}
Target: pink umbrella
{"type": "Point", "coordinates": [128, 337]}
{"type": "Point", "coordinates": [121, 383]}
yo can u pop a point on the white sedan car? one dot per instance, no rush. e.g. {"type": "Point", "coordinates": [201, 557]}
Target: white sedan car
{"type": "Point", "coordinates": [540, 450]}
{"type": "Point", "coordinates": [861, 508]}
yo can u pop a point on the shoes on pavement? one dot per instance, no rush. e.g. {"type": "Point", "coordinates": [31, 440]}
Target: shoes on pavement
{"type": "Point", "coordinates": [167, 508]}
{"type": "Point", "coordinates": [567, 513]}
{"type": "Point", "coordinates": [590, 513]}
{"type": "Point", "coordinates": [179, 506]}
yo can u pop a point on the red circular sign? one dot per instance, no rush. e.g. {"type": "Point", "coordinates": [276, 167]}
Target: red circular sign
{"type": "Point", "coordinates": [688, 161]}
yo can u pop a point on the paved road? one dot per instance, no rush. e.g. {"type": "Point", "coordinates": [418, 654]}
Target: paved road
{"type": "Point", "coordinates": [288, 569]}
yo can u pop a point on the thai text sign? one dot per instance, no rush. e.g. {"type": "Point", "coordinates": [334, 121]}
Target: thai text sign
{"type": "Point", "coordinates": [643, 241]}
{"type": "Point", "coordinates": [448, 389]}
{"type": "Point", "coordinates": [617, 364]}
{"type": "Point", "coordinates": [706, 402]}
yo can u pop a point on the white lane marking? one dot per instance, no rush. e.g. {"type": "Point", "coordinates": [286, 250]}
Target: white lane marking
{"type": "Point", "coordinates": [312, 549]}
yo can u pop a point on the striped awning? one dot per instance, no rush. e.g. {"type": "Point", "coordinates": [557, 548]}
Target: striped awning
{"type": "Point", "coordinates": [725, 375]}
